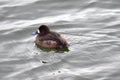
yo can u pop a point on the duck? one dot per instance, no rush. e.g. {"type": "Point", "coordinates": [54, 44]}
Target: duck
{"type": "Point", "coordinates": [47, 38]}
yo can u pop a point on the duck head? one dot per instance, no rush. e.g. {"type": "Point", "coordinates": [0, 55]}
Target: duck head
{"type": "Point", "coordinates": [42, 30]}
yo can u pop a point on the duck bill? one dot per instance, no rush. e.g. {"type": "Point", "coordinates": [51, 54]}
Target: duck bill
{"type": "Point", "coordinates": [36, 32]}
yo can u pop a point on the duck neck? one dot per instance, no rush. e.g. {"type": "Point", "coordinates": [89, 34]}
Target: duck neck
{"type": "Point", "coordinates": [44, 33]}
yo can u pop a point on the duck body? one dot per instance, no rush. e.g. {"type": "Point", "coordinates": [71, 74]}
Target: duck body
{"type": "Point", "coordinates": [50, 39]}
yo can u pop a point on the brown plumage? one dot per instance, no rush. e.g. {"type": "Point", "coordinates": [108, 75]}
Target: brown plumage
{"type": "Point", "coordinates": [50, 39]}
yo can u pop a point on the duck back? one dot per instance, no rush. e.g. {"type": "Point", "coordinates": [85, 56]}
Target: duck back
{"type": "Point", "coordinates": [54, 37]}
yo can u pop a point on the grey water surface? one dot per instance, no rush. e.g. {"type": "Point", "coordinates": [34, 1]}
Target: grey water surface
{"type": "Point", "coordinates": [91, 27]}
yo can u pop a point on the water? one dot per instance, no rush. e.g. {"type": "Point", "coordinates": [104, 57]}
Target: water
{"type": "Point", "coordinates": [92, 28]}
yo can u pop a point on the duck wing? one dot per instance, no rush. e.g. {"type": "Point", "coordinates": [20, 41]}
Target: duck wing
{"type": "Point", "coordinates": [55, 37]}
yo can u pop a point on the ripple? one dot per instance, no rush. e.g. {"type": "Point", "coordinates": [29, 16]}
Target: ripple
{"type": "Point", "coordinates": [91, 28]}
{"type": "Point", "coordinates": [16, 3]}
